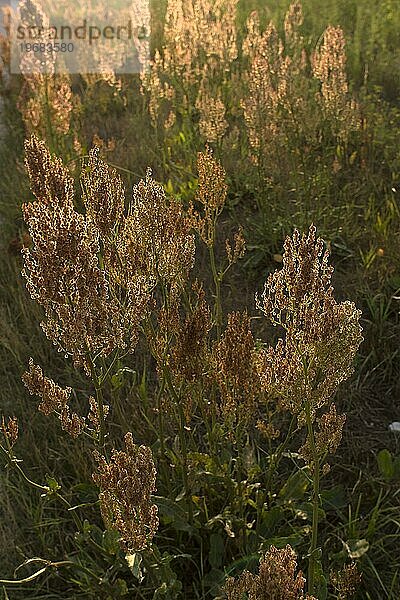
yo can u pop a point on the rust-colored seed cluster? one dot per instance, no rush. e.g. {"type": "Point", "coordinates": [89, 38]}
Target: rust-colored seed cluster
{"type": "Point", "coordinates": [280, 99]}
{"type": "Point", "coordinates": [293, 22]}
{"type": "Point", "coordinates": [277, 579]}
{"type": "Point", "coordinates": [267, 86]}
{"type": "Point", "coordinates": [329, 66]}
{"type": "Point", "coordinates": [212, 122]}
{"type": "Point", "coordinates": [10, 429]}
{"type": "Point", "coordinates": [126, 483]}
{"type": "Point", "coordinates": [327, 437]}
{"type": "Point", "coordinates": [321, 335]}
{"type": "Point", "coordinates": [61, 267]}
{"type": "Point", "coordinates": [157, 239]}
{"type": "Point", "coordinates": [93, 415]}
{"type": "Point", "coordinates": [347, 581]}
{"type": "Point", "coordinates": [103, 195]}
{"type": "Point", "coordinates": [235, 371]}
{"type": "Point", "coordinates": [45, 97]}
{"type": "Point", "coordinates": [54, 399]}
{"type": "Point", "coordinates": [189, 353]}
{"type": "Point", "coordinates": [93, 307]}
{"type": "Point", "coordinates": [211, 195]}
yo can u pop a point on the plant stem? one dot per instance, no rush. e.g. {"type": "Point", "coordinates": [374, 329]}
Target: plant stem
{"type": "Point", "coordinates": [99, 401]}
{"type": "Point", "coordinates": [182, 442]}
{"type": "Point", "coordinates": [217, 283]}
{"type": "Point", "coordinates": [184, 461]}
{"type": "Point", "coordinates": [160, 418]}
{"type": "Point", "coordinates": [43, 488]}
{"type": "Point", "coordinates": [315, 501]}
{"type": "Point", "coordinates": [275, 458]}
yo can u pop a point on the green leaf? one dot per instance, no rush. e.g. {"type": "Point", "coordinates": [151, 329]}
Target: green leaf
{"type": "Point", "coordinates": [271, 519]}
{"type": "Point", "coordinates": [54, 486]}
{"type": "Point", "coordinates": [396, 467]}
{"type": "Point", "coordinates": [334, 498]}
{"type": "Point", "coordinates": [295, 487]}
{"type": "Point", "coordinates": [111, 541]}
{"type": "Point", "coordinates": [321, 585]}
{"type": "Point", "coordinates": [134, 562]}
{"type": "Point", "coordinates": [173, 514]}
{"type": "Point", "coordinates": [385, 464]}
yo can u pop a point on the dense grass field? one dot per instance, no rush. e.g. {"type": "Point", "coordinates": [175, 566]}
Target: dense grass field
{"type": "Point", "coordinates": [199, 312]}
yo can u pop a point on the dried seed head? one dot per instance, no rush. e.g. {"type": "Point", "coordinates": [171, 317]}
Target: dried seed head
{"type": "Point", "coordinates": [156, 243]}
{"type": "Point", "coordinates": [235, 371]}
{"type": "Point", "coordinates": [293, 21]}
{"type": "Point", "coordinates": [211, 192]}
{"type": "Point", "coordinates": [212, 123]}
{"type": "Point", "coordinates": [104, 195]}
{"type": "Point", "coordinates": [50, 181]}
{"type": "Point", "coordinates": [346, 582]}
{"type": "Point", "coordinates": [239, 247]}
{"type": "Point", "coordinates": [327, 437]}
{"type": "Point", "coordinates": [277, 579]}
{"type": "Point", "coordinates": [189, 353]}
{"type": "Point", "coordinates": [126, 483]}
{"type": "Point", "coordinates": [197, 33]}
{"type": "Point", "coordinates": [211, 195]}
{"type": "Point", "coordinates": [267, 82]}
{"type": "Point", "coordinates": [86, 312]}
{"type": "Point", "coordinates": [10, 429]}
{"type": "Point", "coordinates": [321, 336]}
{"type": "Point", "coordinates": [93, 415]}
{"type": "Point", "coordinates": [329, 66]}
{"type": "Point", "coordinates": [54, 399]}
{"type": "Point", "coordinates": [71, 422]}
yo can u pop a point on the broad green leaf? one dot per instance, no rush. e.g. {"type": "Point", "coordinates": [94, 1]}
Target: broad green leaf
{"type": "Point", "coordinates": [134, 562]}
{"type": "Point", "coordinates": [295, 487]}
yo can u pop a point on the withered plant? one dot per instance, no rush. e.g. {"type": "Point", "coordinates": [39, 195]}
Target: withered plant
{"type": "Point", "coordinates": [113, 275]}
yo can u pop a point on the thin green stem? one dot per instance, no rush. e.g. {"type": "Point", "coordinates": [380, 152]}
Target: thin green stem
{"type": "Point", "coordinates": [160, 418]}
{"type": "Point", "coordinates": [182, 437]}
{"type": "Point", "coordinates": [43, 488]}
{"type": "Point", "coordinates": [315, 501]}
{"type": "Point", "coordinates": [99, 401]}
{"type": "Point", "coordinates": [217, 284]}
{"type": "Point", "coordinates": [276, 458]}
{"type": "Point", "coordinates": [13, 463]}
